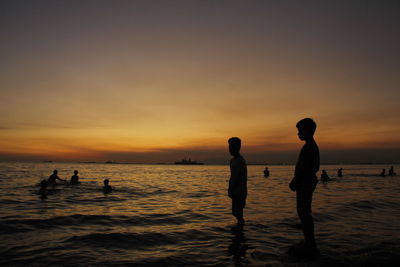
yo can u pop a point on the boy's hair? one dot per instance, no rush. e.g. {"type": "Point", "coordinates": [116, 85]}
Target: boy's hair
{"type": "Point", "coordinates": [307, 124]}
{"type": "Point", "coordinates": [235, 141]}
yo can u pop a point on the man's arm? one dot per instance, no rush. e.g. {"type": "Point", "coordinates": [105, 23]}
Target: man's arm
{"type": "Point", "coordinates": [293, 184]}
{"type": "Point", "coordinates": [60, 179]}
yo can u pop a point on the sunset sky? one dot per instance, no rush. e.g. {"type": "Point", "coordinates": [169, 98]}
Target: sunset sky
{"type": "Point", "coordinates": [156, 81]}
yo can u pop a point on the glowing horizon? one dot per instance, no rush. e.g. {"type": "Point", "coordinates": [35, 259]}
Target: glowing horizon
{"type": "Point", "coordinates": [85, 81]}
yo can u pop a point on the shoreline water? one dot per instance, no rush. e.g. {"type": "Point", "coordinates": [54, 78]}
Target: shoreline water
{"type": "Point", "coordinates": [174, 215]}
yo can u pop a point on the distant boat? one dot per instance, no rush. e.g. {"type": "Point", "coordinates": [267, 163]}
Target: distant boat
{"type": "Point", "coordinates": [188, 162]}
{"type": "Point", "coordinates": [111, 162]}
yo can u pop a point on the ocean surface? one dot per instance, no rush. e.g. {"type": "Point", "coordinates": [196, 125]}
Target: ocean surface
{"type": "Point", "coordinates": [173, 215]}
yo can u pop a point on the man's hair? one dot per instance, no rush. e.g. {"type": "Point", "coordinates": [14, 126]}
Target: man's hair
{"type": "Point", "coordinates": [307, 124]}
{"type": "Point", "coordinates": [235, 141]}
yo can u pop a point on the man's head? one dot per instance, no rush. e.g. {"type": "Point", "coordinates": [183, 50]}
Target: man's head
{"type": "Point", "coordinates": [234, 145]}
{"type": "Point", "coordinates": [55, 171]}
{"type": "Point", "coordinates": [106, 181]}
{"type": "Point", "coordinates": [306, 128]}
{"type": "Point", "coordinates": [75, 172]}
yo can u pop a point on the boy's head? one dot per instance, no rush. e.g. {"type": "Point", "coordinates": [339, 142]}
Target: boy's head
{"type": "Point", "coordinates": [75, 172]}
{"type": "Point", "coordinates": [234, 145]}
{"type": "Point", "coordinates": [306, 128]}
{"type": "Point", "coordinates": [106, 181]}
{"type": "Point", "coordinates": [55, 171]}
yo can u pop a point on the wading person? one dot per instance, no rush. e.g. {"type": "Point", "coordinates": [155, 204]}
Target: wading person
{"type": "Point", "coordinates": [237, 190]}
{"type": "Point", "coordinates": [304, 183]}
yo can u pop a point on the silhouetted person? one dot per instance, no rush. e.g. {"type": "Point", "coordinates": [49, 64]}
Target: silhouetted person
{"type": "Point", "coordinates": [266, 172]}
{"type": "Point", "coordinates": [325, 176]}
{"type": "Point", "coordinates": [383, 172]}
{"type": "Point", "coordinates": [339, 172]}
{"type": "Point", "coordinates": [107, 188]}
{"type": "Point", "coordinates": [43, 189]}
{"type": "Point", "coordinates": [237, 190]}
{"type": "Point", "coordinates": [391, 171]}
{"type": "Point", "coordinates": [305, 181]}
{"type": "Point", "coordinates": [52, 179]}
{"type": "Point", "coordinates": [75, 178]}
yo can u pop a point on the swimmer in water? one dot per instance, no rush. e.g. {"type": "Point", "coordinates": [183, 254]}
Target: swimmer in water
{"type": "Point", "coordinates": [383, 172]}
{"type": "Point", "coordinates": [75, 178]}
{"type": "Point", "coordinates": [339, 172]}
{"type": "Point", "coordinates": [266, 172]}
{"type": "Point", "coordinates": [52, 179]}
{"type": "Point", "coordinates": [43, 189]}
{"type": "Point", "coordinates": [107, 188]}
{"type": "Point", "coordinates": [391, 171]}
{"type": "Point", "coordinates": [324, 176]}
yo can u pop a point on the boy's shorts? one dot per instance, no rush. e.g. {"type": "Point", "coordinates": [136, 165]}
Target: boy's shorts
{"type": "Point", "coordinates": [238, 204]}
{"type": "Point", "coordinates": [304, 199]}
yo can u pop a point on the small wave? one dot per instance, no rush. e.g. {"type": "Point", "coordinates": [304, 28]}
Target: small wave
{"type": "Point", "coordinates": [362, 175]}
{"type": "Point", "coordinates": [59, 221]}
{"type": "Point", "coordinates": [18, 225]}
{"type": "Point", "coordinates": [384, 253]}
{"type": "Point", "coordinates": [141, 240]}
{"type": "Point", "coordinates": [6, 228]}
{"type": "Point", "coordinates": [162, 191]}
{"type": "Point", "coordinates": [9, 202]}
{"type": "Point", "coordinates": [360, 205]}
{"type": "Point", "coordinates": [124, 240]}
{"type": "Point", "coordinates": [198, 194]}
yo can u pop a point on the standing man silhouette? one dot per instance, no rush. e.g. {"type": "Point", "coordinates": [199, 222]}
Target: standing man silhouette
{"type": "Point", "coordinates": [305, 181]}
{"type": "Point", "coordinates": [237, 190]}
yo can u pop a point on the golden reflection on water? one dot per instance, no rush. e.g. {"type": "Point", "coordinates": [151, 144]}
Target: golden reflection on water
{"type": "Point", "coordinates": [175, 212]}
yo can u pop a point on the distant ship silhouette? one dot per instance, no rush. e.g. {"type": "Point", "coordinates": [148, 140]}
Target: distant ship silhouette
{"type": "Point", "coordinates": [188, 162]}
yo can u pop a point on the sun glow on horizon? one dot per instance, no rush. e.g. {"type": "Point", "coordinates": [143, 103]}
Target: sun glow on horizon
{"type": "Point", "coordinates": [93, 84]}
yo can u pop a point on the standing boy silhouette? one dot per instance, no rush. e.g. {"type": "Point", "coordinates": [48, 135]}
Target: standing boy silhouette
{"type": "Point", "coordinates": [237, 190]}
{"type": "Point", "coordinates": [305, 181]}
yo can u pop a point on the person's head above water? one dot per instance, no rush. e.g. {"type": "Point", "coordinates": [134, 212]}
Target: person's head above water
{"type": "Point", "coordinates": [106, 181]}
{"type": "Point", "coordinates": [306, 128]}
{"type": "Point", "coordinates": [234, 145]}
{"type": "Point", "coordinates": [55, 172]}
{"type": "Point", "coordinates": [75, 172]}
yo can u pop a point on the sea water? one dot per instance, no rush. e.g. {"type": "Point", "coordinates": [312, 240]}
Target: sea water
{"type": "Point", "coordinates": [180, 216]}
